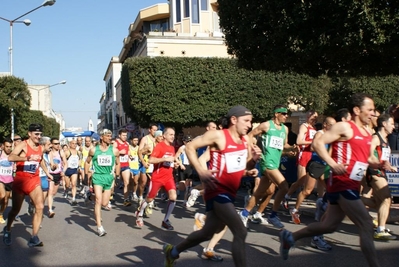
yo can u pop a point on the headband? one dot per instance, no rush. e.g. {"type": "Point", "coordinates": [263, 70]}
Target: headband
{"type": "Point", "coordinates": [281, 110]}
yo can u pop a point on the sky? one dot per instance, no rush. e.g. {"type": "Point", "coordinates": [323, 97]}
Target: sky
{"type": "Point", "coordinates": [72, 40]}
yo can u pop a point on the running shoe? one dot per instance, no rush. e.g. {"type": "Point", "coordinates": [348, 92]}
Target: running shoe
{"type": "Point", "coordinates": [285, 203]}
{"type": "Point", "coordinates": [319, 243]}
{"type": "Point", "coordinates": [275, 221]}
{"type": "Point", "coordinates": [295, 216]}
{"type": "Point", "coordinates": [34, 241]}
{"type": "Point", "coordinates": [383, 236]}
{"type": "Point", "coordinates": [2, 219]}
{"type": "Point", "coordinates": [126, 203]}
{"type": "Point", "coordinates": [31, 209]}
{"type": "Point", "coordinates": [193, 197]}
{"type": "Point", "coordinates": [169, 260]}
{"type": "Point", "coordinates": [139, 220]}
{"type": "Point", "coordinates": [135, 197]}
{"type": "Point", "coordinates": [65, 195]}
{"type": "Point", "coordinates": [319, 212]}
{"type": "Point", "coordinates": [6, 237]}
{"type": "Point", "coordinates": [244, 219]}
{"type": "Point", "coordinates": [74, 203]}
{"type": "Point", "coordinates": [17, 218]}
{"type": "Point", "coordinates": [199, 221]}
{"type": "Point", "coordinates": [101, 231]}
{"type": "Point", "coordinates": [167, 225]}
{"type": "Point", "coordinates": [286, 242]}
{"type": "Point", "coordinates": [149, 208]}
{"type": "Point", "coordinates": [51, 214]}
{"type": "Point", "coordinates": [209, 254]}
{"type": "Point", "coordinates": [258, 219]}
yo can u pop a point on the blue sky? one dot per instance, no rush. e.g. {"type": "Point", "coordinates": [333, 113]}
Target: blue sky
{"type": "Point", "coordinates": [72, 40]}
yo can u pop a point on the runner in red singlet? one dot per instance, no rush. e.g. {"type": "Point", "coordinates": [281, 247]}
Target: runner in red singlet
{"type": "Point", "coordinates": [349, 160]}
{"type": "Point", "coordinates": [28, 155]}
{"type": "Point", "coordinates": [230, 158]}
{"type": "Point", "coordinates": [123, 146]}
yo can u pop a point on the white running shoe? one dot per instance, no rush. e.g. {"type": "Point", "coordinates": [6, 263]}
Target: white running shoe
{"type": "Point", "coordinates": [192, 198]}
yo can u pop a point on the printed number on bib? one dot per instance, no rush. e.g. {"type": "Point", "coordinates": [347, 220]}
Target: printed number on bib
{"type": "Point", "coordinates": [5, 171]}
{"type": "Point", "coordinates": [41, 172]}
{"type": "Point", "coordinates": [74, 162]}
{"type": "Point", "coordinates": [312, 133]}
{"type": "Point", "coordinates": [276, 142]}
{"type": "Point", "coordinates": [104, 160]}
{"type": "Point", "coordinates": [236, 161]}
{"type": "Point", "coordinates": [30, 166]}
{"type": "Point", "coordinates": [124, 158]}
{"type": "Point", "coordinates": [385, 153]}
{"type": "Point", "coordinates": [358, 171]}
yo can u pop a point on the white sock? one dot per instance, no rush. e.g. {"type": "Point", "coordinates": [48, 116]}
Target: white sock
{"type": "Point", "coordinates": [380, 229]}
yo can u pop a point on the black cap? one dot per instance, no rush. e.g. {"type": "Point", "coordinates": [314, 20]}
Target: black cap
{"type": "Point", "coordinates": [187, 138]}
{"type": "Point", "coordinates": [238, 111]}
{"type": "Point", "coordinates": [35, 127]}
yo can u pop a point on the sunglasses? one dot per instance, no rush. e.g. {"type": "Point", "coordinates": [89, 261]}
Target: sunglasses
{"type": "Point", "coordinates": [284, 114]}
{"type": "Point", "coordinates": [17, 139]}
{"type": "Point", "coordinates": [55, 143]}
{"type": "Point", "coordinates": [38, 134]}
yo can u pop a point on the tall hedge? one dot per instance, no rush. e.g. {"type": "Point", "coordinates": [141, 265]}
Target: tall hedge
{"type": "Point", "coordinates": [192, 91]}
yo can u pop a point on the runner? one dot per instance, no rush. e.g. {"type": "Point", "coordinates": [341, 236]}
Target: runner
{"type": "Point", "coordinates": [104, 157]}
{"type": "Point", "coordinates": [28, 155]}
{"type": "Point", "coordinates": [349, 160]}
{"type": "Point", "coordinates": [123, 147]}
{"type": "Point", "coordinates": [229, 156]}
{"type": "Point", "coordinates": [73, 157]}
{"type": "Point", "coordinates": [377, 179]}
{"type": "Point", "coordinates": [274, 141]}
{"type": "Point", "coordinates": [134, 166]}
{"type": "Point", "coordinates": [163, 158]}
{"type": "Point", "coordinates": [6, 176]}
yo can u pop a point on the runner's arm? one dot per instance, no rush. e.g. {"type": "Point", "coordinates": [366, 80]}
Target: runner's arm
{"type": "Point", "coordinates": [88, 161]}
{"type": "Point", "coordinates": [17, 151]}
{"type": "Point", "coordinates": [117, 164]}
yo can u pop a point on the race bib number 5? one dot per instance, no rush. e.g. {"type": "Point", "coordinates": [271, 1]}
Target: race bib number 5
{"type": "Point", "coordinates": [104, 160]}
{"type": "Point", "coordinates": [358, 171]}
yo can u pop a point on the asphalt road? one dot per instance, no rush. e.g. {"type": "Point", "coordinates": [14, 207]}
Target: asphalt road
{"type": "Point", "coordinates": [70, 239]}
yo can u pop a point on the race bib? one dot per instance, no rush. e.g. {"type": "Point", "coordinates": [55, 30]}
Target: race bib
{"type": "Point", "coordinates": [73, 163]}
{"type": "Point", "coordinates": [312, 134]}
{"type": "Point", "coordinates": [41, 172]}
{"type": "Point", "coordinates": [104, 160]}
{"type": "Point", "coordinates": [30, 166]}
{"type": "Point", "coordinates": [236, 161]}
{"type": "Point", "coordinates": [124, 158]}
{"type": "Point", "coordinates": [276, 142]}
{"type": "Point", "coordinates": [358, 171]}
{"type": "Point", "coordinates": [150, 169]}
{"type": "Point", "coordinates": [168, 163]}
{"type": "Point", "coordinates": [134, 159]}
{"type": "Point", "coordinates": [385, 153]}
{"type": "Point", "coordinates": [5, 171]}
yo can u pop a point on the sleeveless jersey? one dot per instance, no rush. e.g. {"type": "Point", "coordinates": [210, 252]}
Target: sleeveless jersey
{"type": "Point", "coordinates": [272, 146]}
{"type": "Point", "coordinates": [46, 158]}
{"type": "Point", "coordinates": [230, 164]}
{"type": "Point", "coordinates": [103, 162]}
{"type": "Point", "coordinates": [6, 169]}
{"type": "Point", "coordinates": [151, 144]}
{"type": "Point", "coordinates": [355, 153]}
{"type": "Point", "coordinates": [56, 160]}
{"type": "Point", "coordinates": [381, 152]}
{"type": "Point", "coordinates": [183, 156]}
{"type": "Point", "coordinates": [315, 156]}
{"type": "Point", "coordinates": [85, 154]}
{"type": "Point", "coordinates": [133, 157]}
{"type": "Point", "coordinates": [163, 170]}
{"type": "Point", "coordinates": [29, 169]}
{"type": "Point", "coordinates": [309, 135]}
{"type": "Point", "coordinates": [73, 160]}
{"type": "Point", "coordinates": [123, 159]}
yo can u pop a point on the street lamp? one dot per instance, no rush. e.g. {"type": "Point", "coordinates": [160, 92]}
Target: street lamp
{"type": "Point", "coordinates": [43, 88]}
{"type": "Point", "coordinates": [27, 22]}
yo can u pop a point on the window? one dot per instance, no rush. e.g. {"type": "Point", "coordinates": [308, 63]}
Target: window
{"type": "Point", "coordinates": [195, 11]}
{"type": "Point", "coordinates": [186, 8]}
{"type": "Point", "coordinates": [178, 11]}
{"type": "Point", "coordinates": [204, 5]}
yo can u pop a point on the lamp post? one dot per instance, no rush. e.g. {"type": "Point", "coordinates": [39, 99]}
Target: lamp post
{"type": "Point", "coordinates": [27, 22]}
{"type": "Point", "coordinates": [43, 88]}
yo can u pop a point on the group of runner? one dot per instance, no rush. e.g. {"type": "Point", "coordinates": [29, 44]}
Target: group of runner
{"type": "Point", "coordinates": [337, 157]}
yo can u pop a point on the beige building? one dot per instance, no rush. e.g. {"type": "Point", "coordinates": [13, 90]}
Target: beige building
{"type": "Point", "coordinates": [180, 28]}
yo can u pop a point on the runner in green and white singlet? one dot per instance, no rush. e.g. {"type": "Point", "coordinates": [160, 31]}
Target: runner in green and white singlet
{"type": "Point", "coordinates": [105, 157]}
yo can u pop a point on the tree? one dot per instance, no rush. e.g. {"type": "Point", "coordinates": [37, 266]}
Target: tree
{"type": "Point", "coordinates": [316, 37]}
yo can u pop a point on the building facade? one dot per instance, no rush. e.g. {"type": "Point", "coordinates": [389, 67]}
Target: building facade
{"type": "Point", "coordinates": [180, 28]}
